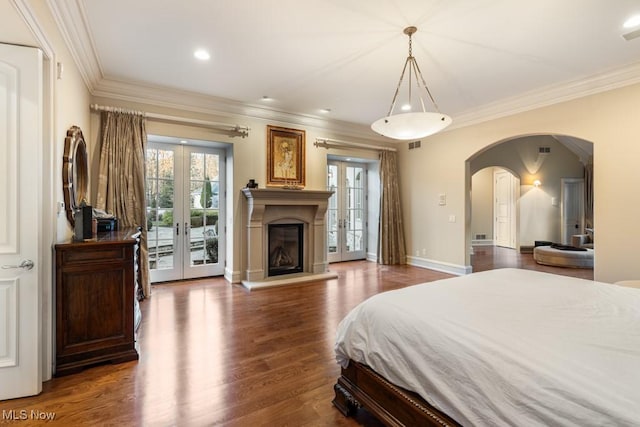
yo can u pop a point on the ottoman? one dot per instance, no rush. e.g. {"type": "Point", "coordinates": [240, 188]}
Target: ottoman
{"type": "Point", "coordinates": [561, 258]}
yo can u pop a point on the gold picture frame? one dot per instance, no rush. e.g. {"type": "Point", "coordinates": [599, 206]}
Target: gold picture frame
{"type": "Point", "coordinates": [285, 157]}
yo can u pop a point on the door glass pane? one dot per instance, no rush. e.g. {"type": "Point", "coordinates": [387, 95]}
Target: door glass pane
{"type": "Point", "coordinates": [358, 241]}
{"type": "Point", "coordinates": [332, 210]}
{"type": "Point", "coordinates": [159, 199]}
{"type": "Point", "coordinates": [204, 187]}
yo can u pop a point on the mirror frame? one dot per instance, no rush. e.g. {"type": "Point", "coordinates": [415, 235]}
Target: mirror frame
{"type": "Point", "coordinates": [75, 172]}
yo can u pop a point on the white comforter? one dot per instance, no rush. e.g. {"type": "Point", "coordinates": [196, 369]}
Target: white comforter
{"type": "Point", "coordinates": [506, 347]}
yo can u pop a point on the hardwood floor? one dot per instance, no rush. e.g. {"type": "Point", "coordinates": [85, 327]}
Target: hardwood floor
{"type": "Point", "coordinates": [212, 353]}
{"type": "Point", "coordinates": [492, 257]}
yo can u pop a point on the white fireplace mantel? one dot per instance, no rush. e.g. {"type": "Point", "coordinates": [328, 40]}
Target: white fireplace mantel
{"type": "Point", "coordinates": [274, 205]}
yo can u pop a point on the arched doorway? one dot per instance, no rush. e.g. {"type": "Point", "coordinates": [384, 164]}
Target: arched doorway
{"type": "Point", "coordinates": [540, 162]}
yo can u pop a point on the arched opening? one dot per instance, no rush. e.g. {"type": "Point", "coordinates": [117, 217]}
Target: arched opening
{"type": "Point", "coordinates": [541, 165]}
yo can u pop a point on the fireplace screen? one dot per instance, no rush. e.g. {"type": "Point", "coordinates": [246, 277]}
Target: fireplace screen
{"type": "Point", "coordinates": [285, 248]}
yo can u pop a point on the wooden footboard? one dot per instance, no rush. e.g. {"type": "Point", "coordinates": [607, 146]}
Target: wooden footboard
{"type": "Point", "coordinates": [360, 386]}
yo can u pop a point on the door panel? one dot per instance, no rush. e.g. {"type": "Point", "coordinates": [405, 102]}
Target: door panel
{"type": "Point", "coordinates": [20, 160]}
{"type": "Point", "coordinates": [504, 187]}
{"type": "Point", "coordinates": [205, 180]}
{"type": "Point", "coordinates": [572, 210]}
{"type": "Point", "coordinates": [163, 224]}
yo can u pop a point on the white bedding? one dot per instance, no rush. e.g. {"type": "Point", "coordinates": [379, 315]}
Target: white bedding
{"type": "Point", "coordinates": [506, 347]}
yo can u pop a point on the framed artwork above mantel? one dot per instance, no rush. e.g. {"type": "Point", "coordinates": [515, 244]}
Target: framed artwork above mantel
{"type": "Point", "coordinates": [285, 157]}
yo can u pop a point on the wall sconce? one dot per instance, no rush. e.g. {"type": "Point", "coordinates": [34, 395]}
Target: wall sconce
{"type": "Point", "coordinates": [537, 183]}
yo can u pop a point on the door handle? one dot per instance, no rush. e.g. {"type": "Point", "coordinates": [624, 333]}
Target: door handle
{"type": "Point", "coordinates": [186, 228]}
{"type": "Point", "coordinates": [177, 228]}
{"type": "Point", "coordinates": [26, 264]}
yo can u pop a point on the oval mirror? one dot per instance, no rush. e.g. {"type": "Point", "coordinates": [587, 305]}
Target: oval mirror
{"type": "Point", "coordinates": [75, 171]}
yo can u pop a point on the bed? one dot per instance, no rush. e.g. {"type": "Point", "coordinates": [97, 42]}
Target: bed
{"type": "Point", "coordinates": [501, 347]}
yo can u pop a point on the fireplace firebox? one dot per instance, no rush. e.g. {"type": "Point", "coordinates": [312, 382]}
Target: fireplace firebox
{"type": "Point", "coordinates": [285, 249]}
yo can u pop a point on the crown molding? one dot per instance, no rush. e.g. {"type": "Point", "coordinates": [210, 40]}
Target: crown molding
{"type": "Point", "coordinates": [550, 95]}
{"type": "Point", "coordinates": [160, 96]}
{"type": "Point", "coordinates": [34, 26]}
{"type": "Point", "coordinates": [71, 19]}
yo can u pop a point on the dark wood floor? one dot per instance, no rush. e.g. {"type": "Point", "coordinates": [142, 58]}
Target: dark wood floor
{"type": "Point", "coordinates": [212, 353]}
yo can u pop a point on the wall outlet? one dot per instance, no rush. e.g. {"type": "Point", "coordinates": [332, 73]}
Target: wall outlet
{"type": "Point", "coordinates": [442, 199]}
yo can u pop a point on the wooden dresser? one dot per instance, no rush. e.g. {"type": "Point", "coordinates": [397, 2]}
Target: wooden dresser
{"type": "Point", "coordinates": [97, 308]}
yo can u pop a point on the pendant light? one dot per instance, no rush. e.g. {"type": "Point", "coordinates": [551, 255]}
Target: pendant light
{"type": "Point", "coordinates": [411, 124]}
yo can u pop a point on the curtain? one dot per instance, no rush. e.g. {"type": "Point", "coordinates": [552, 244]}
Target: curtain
{"type": "Point", "coordinates": [122, 177]}
{"type": "Point", "coordinates": [391, 247]}
{"type": "Point", "coordinates": [588, 195]}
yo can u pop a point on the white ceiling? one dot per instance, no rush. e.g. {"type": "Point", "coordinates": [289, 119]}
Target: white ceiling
{"type": "Point", "coordinates": [480, 58]}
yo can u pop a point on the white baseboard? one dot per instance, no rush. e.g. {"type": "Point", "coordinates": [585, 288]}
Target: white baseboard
{"type": "Point", "coordinates": [372, 256]}
{"type": "Point", "coordinates": [485, 242]}
{"type": "Point", "coordinates": [445, 267]}
{"type": "Point", "coordinates": [232, 276]}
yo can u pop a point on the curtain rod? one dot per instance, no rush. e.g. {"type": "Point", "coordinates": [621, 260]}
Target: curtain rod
{"type": "Point", "coordinates": [239, 129]}
{"type": "Point", "coordinates": [327, 143]}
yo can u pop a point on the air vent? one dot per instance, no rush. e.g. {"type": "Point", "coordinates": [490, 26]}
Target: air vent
{"type": "Point", "coordinates": [414, 144]}
{"type": "Point", "coordinates": [632, 35]}
{"type": "Point", "coordinates": [481, 236]}
{"type": "Point", "coordinates": [544, 149]}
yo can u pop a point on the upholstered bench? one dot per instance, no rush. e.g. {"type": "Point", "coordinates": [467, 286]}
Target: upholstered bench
{"type": "Point", "coordinates": [563, 258]}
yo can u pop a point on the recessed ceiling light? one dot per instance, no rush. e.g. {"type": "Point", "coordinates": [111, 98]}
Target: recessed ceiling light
{"type": "Point", "coordinates": [406, 107]}
{"type": "Point", "coordinates": [325, 110]}
{"type": "Point", "coordinates": [632, 22]}
{"type": "Point", "coordinates": [266, 98]}
{"type": "Point", "coordinates": [201, 54]}
{"type": "Point", "coordinates": [182, 141]}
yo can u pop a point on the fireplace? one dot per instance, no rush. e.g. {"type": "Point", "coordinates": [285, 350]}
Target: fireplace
{"type": "Point", "coordinates": [285, 237]}
{"type": "Point", "coordinates": [285, 249]}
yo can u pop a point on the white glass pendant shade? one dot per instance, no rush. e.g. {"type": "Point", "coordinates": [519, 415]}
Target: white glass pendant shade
{"type": "Point", "coordinates": [407, 126]}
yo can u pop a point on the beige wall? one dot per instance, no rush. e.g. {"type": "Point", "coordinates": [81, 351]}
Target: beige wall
{"type": "Point", "coordinates": [482, 203]}
{"type": "Point", "coordinates": [611, 120]}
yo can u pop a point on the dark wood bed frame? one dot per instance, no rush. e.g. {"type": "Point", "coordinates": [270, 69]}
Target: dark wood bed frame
{"type": "Point", "coordinates": [360, 386]}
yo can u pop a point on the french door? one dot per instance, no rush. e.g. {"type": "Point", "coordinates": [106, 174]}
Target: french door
{"type": "Point", "coordinates": [185, 211]}
{"type": "Point", "coordinates": [347, 211]}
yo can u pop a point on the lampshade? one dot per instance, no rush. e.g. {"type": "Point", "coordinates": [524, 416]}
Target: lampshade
{"type": "Point", "coordinates": [412, 125]}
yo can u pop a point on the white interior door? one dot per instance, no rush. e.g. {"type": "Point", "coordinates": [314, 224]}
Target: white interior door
{"type": "Point", "coordinates": [505, 208]}
{"type": "Point", "coordinates": [347, 211]}
{"type": "Point", "coordinates": [572, 209]}
{"type": "Point", "coordinates": [20, 160]}
{"type": "Point", "coordinates": [185, 208]}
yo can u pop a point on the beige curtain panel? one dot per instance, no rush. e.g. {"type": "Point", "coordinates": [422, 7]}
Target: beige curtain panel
{"type": "Point", "coordinates": [391, 246]}
{"type": "Point", "coordinates": [121, 179]}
